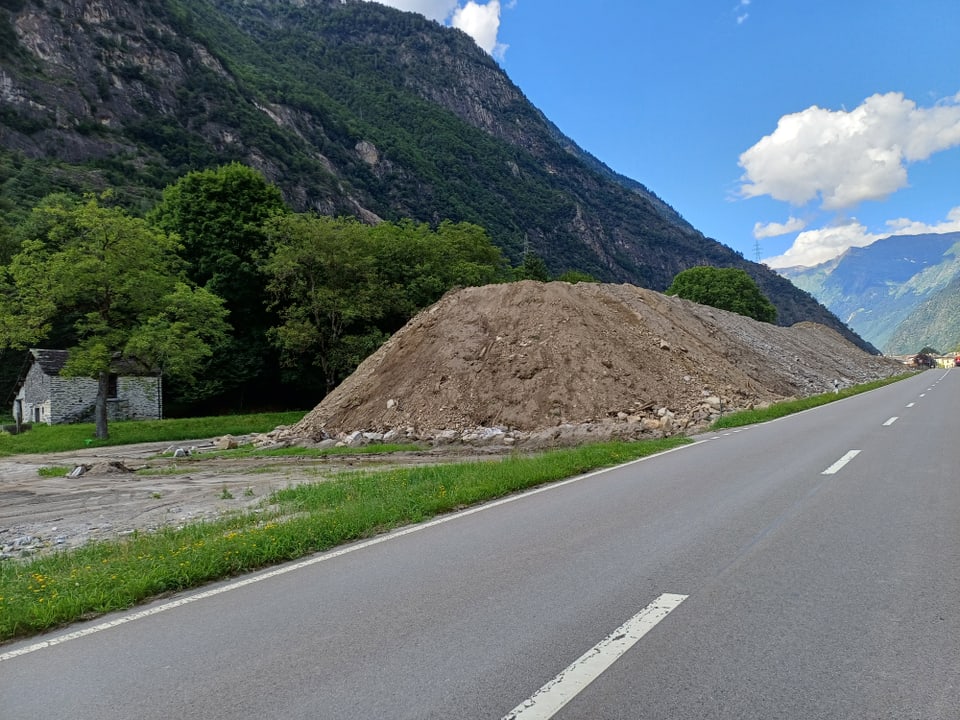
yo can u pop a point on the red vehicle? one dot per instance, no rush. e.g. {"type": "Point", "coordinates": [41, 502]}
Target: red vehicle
{"type": "Point", "coordinates": [956, 361]}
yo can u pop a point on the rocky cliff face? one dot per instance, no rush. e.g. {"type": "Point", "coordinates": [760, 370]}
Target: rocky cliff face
{"type": "Point", "coordinates": [349, 107]}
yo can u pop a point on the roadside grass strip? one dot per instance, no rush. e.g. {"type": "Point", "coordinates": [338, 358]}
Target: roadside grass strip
{"type": "Point", "coordinates": [789, 407]}
{"type": "Point", "coordinates": [60, 438]}
{"type": "Point", "coordinates": [49, 591]}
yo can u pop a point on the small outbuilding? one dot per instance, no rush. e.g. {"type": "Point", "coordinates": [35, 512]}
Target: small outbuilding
{"type": "Point", "coordinates": [42, 395]}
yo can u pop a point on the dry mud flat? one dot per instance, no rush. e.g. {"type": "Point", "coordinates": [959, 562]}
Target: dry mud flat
{"type": "Point", "coordinates": [110, 500]}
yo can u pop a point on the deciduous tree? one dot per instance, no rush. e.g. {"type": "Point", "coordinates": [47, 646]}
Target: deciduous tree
{"type": "Point", "coordinates": [725, 288]}
{"type": "Point", "coordinates": [121, 284]}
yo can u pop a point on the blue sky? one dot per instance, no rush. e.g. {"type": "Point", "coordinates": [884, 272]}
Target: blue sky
{"type": "Point", "coordinates": [796, 129]}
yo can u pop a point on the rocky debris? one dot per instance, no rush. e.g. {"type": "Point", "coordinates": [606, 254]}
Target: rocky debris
{"type": "Point", "coordinates": [552, 363]}
{"type": "Point", "coordinates": [227, 442]}
{"type": "Point", "coordinates": [107, 467]}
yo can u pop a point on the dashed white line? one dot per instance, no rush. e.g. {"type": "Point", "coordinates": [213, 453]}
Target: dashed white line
{"type": "Point", "coordinates": [891, 421]}
{"type": "Point", "coordinates": [909, 405]}
{"type": "Point", "coordinates": [549, 699]}
{"type": "Point", "coordinates": [838, 465]}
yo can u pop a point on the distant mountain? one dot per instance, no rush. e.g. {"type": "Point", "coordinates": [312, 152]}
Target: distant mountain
{"type": "Point", "coordinates": [349, 107]}
{"type": "Point", "coordinates": [900, 293]}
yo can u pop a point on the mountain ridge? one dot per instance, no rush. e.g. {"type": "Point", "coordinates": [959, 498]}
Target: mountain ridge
{"type": "Point", "coordinates": [350, 108]}
{"type": "Point", "coordinates": [890, 291]}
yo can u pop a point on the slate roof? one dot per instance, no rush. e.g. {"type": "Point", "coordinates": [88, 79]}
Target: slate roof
{"type": "Point", "coordinates": [51, 362]}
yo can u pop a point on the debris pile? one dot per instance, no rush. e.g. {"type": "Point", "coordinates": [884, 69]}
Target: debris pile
{"type": "Point", "coordinates": [554, 363]}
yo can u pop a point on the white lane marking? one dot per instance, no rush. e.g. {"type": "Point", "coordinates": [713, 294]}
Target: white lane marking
{"type": "Point", "coordinates": [891, 421]}
{"type": "Point", "coordinates": [910, 404]}
{"type": "Point", "coordinates": [549, 699]}
{"type": "Point", "coordinates": [838, 465]}
{"type": "Point", "coordinates": [923, 394]}
{"type": "Point", "coordinates": [236, 585]}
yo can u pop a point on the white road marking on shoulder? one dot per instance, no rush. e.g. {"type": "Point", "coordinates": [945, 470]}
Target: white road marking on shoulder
{"type": "Point", "coordinates": [891, 421]}
{"type": "Point", "coordinates": [549, 699]}
{"type": "Point", "coordinates": [838, 465]}
{"type": "Point", "coordinates": [329, 555]}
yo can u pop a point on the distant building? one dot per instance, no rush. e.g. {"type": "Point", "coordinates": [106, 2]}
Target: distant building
{"type": "Point", "coordinates": [43, 396]}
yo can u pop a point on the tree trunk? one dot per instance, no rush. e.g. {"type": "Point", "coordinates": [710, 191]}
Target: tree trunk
{"type": "Point", "coordinates": [100, 409]}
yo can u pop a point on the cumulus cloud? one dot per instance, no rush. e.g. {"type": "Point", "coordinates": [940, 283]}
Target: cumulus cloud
{"type": "Point", "coordinates": [903, 226]}
{"type": "Point", "coordinates": [813, 247]}
{"type": "Point", "coordinates": [481, 21]}
{"type": "Point", "coordinates": [769, 230]}
{"type": "Point", "coordinates": [845, 157]}
{"type": "Point", "coordinates": [439, 10]}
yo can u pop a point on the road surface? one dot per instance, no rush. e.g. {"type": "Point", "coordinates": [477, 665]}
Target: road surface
{"type": "Point", "coordinates": [805, 568]}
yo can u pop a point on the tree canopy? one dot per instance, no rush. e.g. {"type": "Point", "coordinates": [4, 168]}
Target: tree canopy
{"type": "Point", "coordinates": [725, 288]}
{"type": "Point", "coordinates": [118, 284]}
{"type": "Point", "coordinates": [218, 214]}
{"type": "Point", "coordinates": [341, 288]}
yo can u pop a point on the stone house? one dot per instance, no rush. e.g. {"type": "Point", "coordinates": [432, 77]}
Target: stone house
{"type": "Point", "coordinates": [43, 396]}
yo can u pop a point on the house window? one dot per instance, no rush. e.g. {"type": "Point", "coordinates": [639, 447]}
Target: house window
{"type": "Point", "coordinates": [112, 392]}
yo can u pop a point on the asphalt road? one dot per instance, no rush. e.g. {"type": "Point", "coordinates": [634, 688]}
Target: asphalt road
{"type": "Point", "coordinates": [778, 591]}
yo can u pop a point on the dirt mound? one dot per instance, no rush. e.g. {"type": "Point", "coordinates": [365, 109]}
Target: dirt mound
{"type": "Point", "coordinates": [530, 355]}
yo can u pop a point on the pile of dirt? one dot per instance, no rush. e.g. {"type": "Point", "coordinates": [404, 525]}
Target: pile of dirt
{"type": "Point", "coordinates": [528, 356]}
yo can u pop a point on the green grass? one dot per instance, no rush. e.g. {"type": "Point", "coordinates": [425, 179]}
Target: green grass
{"type": "Point", "coordinates": [44, 592]}
{"type": "Point", "coordinates": [58, 438]}
{"type": "Point", "coordinates": [54, 471]}
{"type": "Point", "coordinates": [782, 409]}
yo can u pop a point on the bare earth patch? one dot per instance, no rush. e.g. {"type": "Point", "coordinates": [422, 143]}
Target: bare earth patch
{"type": "Point", "coordinates": [43, 514]}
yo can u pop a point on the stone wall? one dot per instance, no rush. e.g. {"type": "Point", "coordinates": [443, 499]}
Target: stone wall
{"type": "Point", "coordinates": [34, 396]}
{"type": "Point", "coordinates": [58, 400]}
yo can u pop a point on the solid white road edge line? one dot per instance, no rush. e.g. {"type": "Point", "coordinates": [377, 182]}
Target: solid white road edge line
{"type": "Point", "coordinates": [891, 421]}
{"type": "Point", "coordinates": [838, 465]}
{"type": "Point", "coordinates": [237, 584]}
{"type": "Point", "coordinates": [549, 699]}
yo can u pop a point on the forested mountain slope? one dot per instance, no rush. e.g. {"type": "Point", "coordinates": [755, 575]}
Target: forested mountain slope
{"type": "Point", "coordinates": [349, 107]}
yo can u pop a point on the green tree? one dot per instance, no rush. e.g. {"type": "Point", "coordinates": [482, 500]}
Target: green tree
{"type": "Point", "coordinates": [415, 265]}
{"type": "Point", "coordinates": [725, 288]}
{"type": "Point", "coordinates": [533, 267]}
{"type": "Point", "coordinates": [218, 215]}
{"type": "Point", "coordinates": [321, 280]}
{"type": "Point", "coordinates": [121, 283]}
{"type": "Point", "coordinates": [576, 276]}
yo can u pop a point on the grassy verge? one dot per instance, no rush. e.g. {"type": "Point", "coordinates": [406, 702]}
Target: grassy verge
{"type": "Point", "coordinates": [58, 438]}
{"type": "Point", "coordinates": [49, 591]}
{"type": "Point", "coordinates": [778, 410]}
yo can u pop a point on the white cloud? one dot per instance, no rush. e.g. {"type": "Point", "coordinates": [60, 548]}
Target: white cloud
{"type": "Point", "coordinates": [845, 157]}
{"type": "Point", "coordinates": [741, 11]}
{"type": "Point", "coordinates": [439, 10]}
{"type": "Point", "coordinates": [480, 21]}
{"type": "Point", "coordinates": [903, 226]}
{"type": "Point", "coordinates": [813, 247]}
{"type": "Point", "coordinates": [769, 230]}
